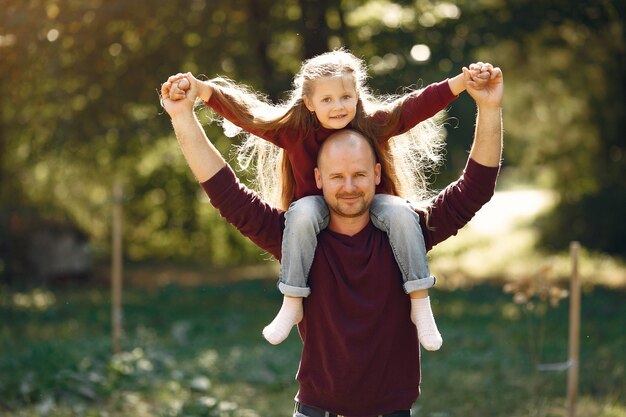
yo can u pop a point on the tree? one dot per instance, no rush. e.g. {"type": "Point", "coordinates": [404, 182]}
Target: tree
{"type": "Point", "coordinates": [80, 106]}
{"type": "Point", "coordinates": [568, 112]}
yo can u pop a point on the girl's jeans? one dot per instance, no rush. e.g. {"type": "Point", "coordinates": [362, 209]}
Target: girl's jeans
{"type": "Point", "coordinates": [393, 215]}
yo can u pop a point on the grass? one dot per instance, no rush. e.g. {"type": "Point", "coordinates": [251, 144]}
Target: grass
{"type": "Point", "coordinates": [197, 351]}
{"type": "Point", "coordinates": [192, 346]}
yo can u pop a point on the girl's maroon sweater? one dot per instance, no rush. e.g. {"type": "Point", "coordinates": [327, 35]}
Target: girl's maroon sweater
{"type": "Point", "coordinates": [302, 147]}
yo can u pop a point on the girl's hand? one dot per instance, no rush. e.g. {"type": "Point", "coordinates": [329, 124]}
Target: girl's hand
{"type": "Point", "coordinates": [178, 85]}
{"type": "Point", "coordinates": [480, 74]}
{"type": "Point", "coordinates": [179, 88]}
{"type": "Point", "coordinates": [175, 87]}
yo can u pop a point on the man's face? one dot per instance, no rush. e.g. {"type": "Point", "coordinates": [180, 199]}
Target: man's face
{"type": "Point", "coordinates": [348, 174]}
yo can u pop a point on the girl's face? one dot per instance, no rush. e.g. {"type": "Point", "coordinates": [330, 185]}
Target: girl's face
{"type": "Point", "coordinates": [333, 101]}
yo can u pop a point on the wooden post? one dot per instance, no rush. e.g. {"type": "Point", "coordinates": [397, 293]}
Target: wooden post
{"type": "Point", "coordinates": [574, 333]}
{"type": "Point", "coordinates": [116, 268]}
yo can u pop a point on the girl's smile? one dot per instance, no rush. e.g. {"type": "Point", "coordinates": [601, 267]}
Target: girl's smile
{"type": "Point", "coordinates": [333, 101]}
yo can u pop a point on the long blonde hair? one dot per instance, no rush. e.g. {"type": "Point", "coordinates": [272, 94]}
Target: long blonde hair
{"type": "Point", "coordinates": [406, 159]}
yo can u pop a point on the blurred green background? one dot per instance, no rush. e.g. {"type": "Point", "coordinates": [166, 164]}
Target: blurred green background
{"type": "Point", "coordinates": [79, 112]}
{"type": "Point", "coordinates": [79, 106]}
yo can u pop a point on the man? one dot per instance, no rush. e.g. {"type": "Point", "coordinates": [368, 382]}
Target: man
{"type": "Point", "coordinates": [360, 354]}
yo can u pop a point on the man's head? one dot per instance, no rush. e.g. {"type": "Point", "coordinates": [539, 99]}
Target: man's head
{"type": "Point", "coordinates": [347, 173]}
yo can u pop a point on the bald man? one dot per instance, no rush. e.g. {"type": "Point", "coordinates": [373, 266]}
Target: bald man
{"type": "Point", "coordinates": [360, 355]}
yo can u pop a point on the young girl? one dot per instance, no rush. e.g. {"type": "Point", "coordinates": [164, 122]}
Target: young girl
{"type": "Point", "coordinates": [329, 94]}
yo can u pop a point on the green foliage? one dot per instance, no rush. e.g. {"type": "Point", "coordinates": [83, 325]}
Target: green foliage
{"type": "Point", "coordinates": [199, 352]}
{"type": "Point", "coordinates": [565, 112]}
{"type": "Point", "coordinates": [587, 221]}
{"type": "Point", "coordinates": [80, 110]}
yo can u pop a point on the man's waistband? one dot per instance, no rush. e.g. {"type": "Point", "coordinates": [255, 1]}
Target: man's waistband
{"type": "Point", "coordinates": [309, 411]}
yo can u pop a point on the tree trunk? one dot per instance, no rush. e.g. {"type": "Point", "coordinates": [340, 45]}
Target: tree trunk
{"type": "Point", "coordinates": [314, 28]}
{"type": "Point", "coordinates": [343, 30]}
{"type": "Point", "coordinates": [258, 39]}
{"type": "Point", "coordinates": [5, 256]}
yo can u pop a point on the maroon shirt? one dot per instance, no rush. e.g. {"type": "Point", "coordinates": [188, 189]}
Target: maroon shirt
{"type": "Point", "coordinates": [360, 352]}
{"type": "Point", "coordinates": [302, 147]}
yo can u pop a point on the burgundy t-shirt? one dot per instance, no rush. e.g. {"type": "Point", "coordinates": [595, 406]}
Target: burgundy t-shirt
{"type": "Point", "coordinates": [302, 147]}
{"type": "Point", "coordinates": [360, 352]}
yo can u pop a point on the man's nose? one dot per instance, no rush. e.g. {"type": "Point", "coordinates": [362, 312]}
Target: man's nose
{"type": "Point", "coordinates": [348, 184]}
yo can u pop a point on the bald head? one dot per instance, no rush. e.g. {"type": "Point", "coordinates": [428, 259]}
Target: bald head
{"type": "Point", "coordinates": [343, 140]}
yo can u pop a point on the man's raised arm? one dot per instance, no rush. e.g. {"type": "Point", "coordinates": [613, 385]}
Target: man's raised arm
{"type": "Point", "coordinates": [241, 207]}
{"type": "Point", "coordinates": [203, 158]}
{"type": "Point", "coordinates": [487, 145]}
{"type": "Point", "coordinates": [459, 202]}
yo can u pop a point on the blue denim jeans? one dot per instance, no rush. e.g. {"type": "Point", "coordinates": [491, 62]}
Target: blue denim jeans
{"type": "Point", "coordinates": [393, 215]}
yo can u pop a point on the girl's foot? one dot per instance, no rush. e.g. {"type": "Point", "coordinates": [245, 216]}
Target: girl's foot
{"type": "Point", "coordinates": [422, 316]}
{"type": "Point", "coordinates": [290, 314]}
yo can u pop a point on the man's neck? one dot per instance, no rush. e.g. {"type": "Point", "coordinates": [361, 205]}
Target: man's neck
{"type": "Point", "coordinates": [348, 226]}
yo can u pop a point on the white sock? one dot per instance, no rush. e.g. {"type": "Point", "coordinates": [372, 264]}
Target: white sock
{"type": "Point", "coordinates": [422, 316]}
{"type": "Point", "coordinates": [290, 314]}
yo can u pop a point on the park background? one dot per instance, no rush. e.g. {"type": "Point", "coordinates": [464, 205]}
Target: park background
{"type": "Point", "coordinates": [79, 113]}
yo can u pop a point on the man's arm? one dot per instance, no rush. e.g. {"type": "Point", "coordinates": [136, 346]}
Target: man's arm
{"type": "Point", "coordinates": [458, 203]}
{"type": "Point", "coordinates": [242, 208]}
{"type": "Point", "coordinates": [203, 158]}
{"type": "Point", "coordinates": [487, 145]}
{"type": "Point", "coordinates": [201, 155]}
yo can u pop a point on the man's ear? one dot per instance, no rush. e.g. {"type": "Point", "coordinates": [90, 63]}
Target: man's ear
{"type": "Point", "coordinates": [308, 103]}
{"type": "Point", "coordinates": [318, 178]}
{"type": "Point", "coordinates": [377, 173]}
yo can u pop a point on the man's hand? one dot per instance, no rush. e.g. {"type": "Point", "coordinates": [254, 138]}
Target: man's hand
{"type": "Point", "coordinates": [178, 85]}
{"type": "Point", "coordinates": [176, 100]}
{"type": "Point", "coordinates": [485, 84]}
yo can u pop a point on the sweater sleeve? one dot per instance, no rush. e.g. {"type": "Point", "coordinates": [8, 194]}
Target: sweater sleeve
{"type": "Point", "coordinates": [421, 105]}
{"type": "Point", "coordinates": [278, 138]}
{"type": "Point", "coordinates": [455, 206]}
{"type": "Point", "coordinates": [245, 210]}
